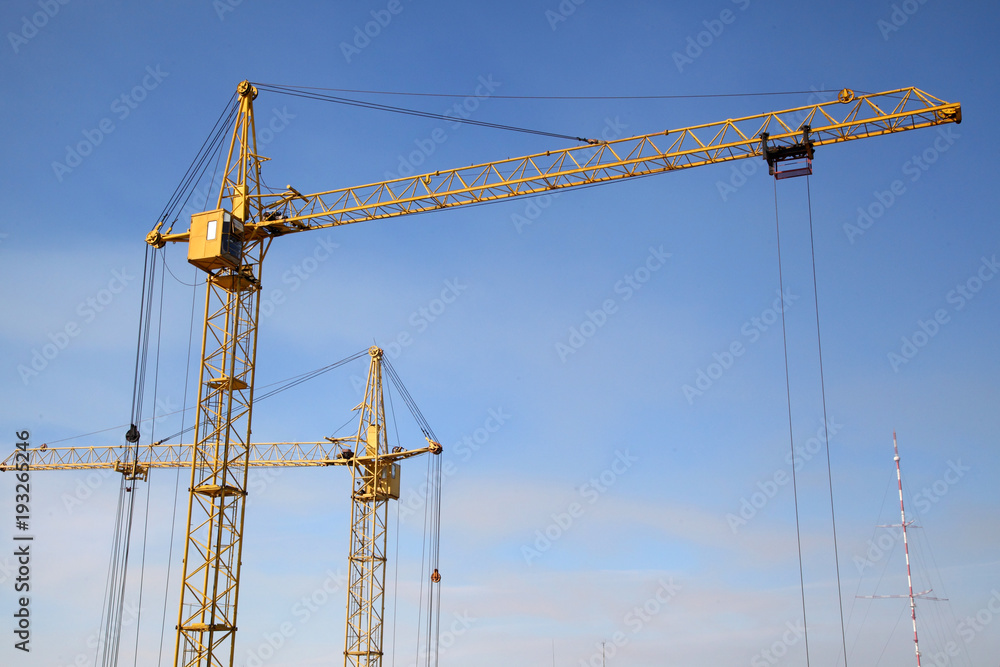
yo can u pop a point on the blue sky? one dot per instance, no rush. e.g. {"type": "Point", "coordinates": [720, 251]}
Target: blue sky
{"type": "Point", "coordinates": [140, 84]}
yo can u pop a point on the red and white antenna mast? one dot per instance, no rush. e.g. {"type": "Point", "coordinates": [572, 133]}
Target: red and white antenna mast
{"type": "Point", "coordinates": [906, 550]}
{"type": "Point", "coordinates": [904, 524]}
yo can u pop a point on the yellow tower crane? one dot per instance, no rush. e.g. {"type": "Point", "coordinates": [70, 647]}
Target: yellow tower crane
{"type": "Point", "coordinates": [375, 481]}
{"type": "Point", "coordinates": [230, 242]}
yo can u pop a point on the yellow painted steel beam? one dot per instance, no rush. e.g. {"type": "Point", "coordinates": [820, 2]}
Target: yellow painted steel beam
{"type": "Point", "coordinates": [375, 482]}
{"type": "Point", "coordinates": [161, 455]}
{"type": "Point", "coordinates": [262, 455]}
{"type": "Point", "coordinates": [209, 599]}
{"type": "Point", "coordinates": [848, 118]}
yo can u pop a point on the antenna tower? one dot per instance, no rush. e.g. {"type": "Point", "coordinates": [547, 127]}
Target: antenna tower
{"type": "Point", "coordinates": [904, 524]}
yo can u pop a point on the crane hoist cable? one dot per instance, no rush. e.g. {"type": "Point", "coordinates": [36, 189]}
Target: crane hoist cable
{"type": "Point", "coordinates": [177, 477]}
{"type": "Point", "coordinates": [819, 342]}
{"type": "Point", "coordinates": [432, 535]}
{"type": "Point", "coordinates": [395, 589]}
{"type": "Point", "coordinates": [310, 95]}
{"type": "Point", "coordinates": [434, 476]}
{"type": "Point", "coordinates": [196, 283]}
{"type": "Point", "coordinates": [791, 436]}
{"type": "Point", "coordinates": [152, 435]}
{"type": "Point", "coordinates": [826, 421]}
{"type": "Point", "coordinates": [395, 575]}
{"type": "Point", "coordinates": [142, 345]}
{"type": "Point", "coordinates": [108, 652]}
{"type": "Point", "coordinates": [215, 146]}
{"type": "Point", "coordinates": [191, 190]}
{"type": "Point", "coordinates": [286, 383]}
{"type": "Point", "coordinates": [431, 551]}
{"type": "Point", "coordinates": [428, 635]}
{"type": "Point", "coordinates": [142, 573]}
{"type": "Point", "coordinates": [209, 148]}
{"type": "Point", "coordinates": [425, 427]}
{"type": "Point", "coordinates": [561, 97]}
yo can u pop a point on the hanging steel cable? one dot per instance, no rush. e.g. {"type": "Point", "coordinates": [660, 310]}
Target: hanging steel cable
{"type": "Point", "coordinates": [152, 434]}
{"type": "Point", "coordinates": [114, 592]}
{"type": "Point", "coordinates": [791, 437]}
{"type": "Point", "coordinates": [826, 422]}
{"type": "Point", "coordinates": [177, 478]}
{"type": "Point", "coordinates": [561, 97]}
{"type": "Point", "coordinates": [142, 345]}
{"type": "Point", "coordinates": [311, 95]}
{"type": "Point", "coordinates": [430, 609]}
{"type": "Point", "coordinates": [108, 651]}
{"type": "Point", "coordinates": [192, 175]}
{"type": "Point", "coordinates": [285, 384]}
{"type": "Point", "coordinates": [395, 574]}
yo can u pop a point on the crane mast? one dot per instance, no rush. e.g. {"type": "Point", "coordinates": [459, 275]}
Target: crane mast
{"type": "Point", "coordinates": [374, 482]}
{"type": "Point", "coordinates": [230, 242]}
{"type": "Point", "coordinates": [209, 601]}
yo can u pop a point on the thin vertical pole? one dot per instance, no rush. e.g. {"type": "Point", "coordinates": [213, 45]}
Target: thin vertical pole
{"type": "Point", "coordinates": [906, 549]}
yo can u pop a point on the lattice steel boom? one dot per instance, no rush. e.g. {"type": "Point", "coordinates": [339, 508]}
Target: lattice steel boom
{"type": "Point", "coordinates": [161, 455]}
{"type": "Point", "coordinates": [847, 118]}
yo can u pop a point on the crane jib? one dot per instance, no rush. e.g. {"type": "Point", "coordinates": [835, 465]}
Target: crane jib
{"type": "Point", "coordinates": [791, 134]}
